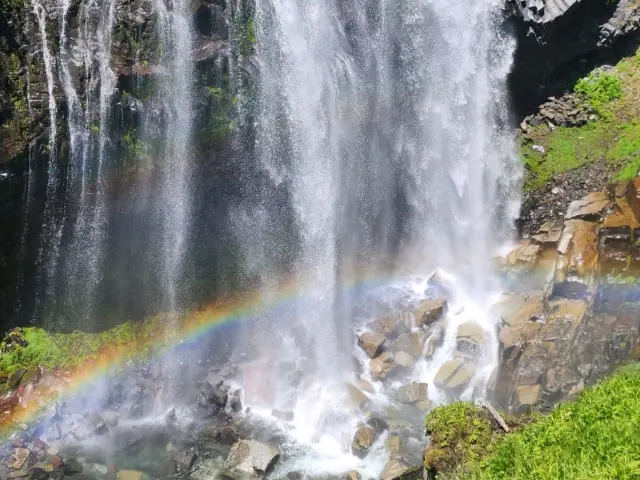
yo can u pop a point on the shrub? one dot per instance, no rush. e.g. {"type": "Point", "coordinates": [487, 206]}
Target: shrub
{"type": "Point", "coordinates": [598, 89]}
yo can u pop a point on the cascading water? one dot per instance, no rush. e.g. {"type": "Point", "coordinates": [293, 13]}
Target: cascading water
{"type": "Point", "coordinates": [384, 127]}
{"type": "Point", "coordinates": [51, 228]}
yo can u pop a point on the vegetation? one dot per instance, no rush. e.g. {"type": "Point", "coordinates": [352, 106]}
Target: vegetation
{"type": "Point", "coordinates": [595, 436]}
{"type": "Point", "coordinates": [611, 136]}
{"type": "Point", "coordinates": [25, 349]}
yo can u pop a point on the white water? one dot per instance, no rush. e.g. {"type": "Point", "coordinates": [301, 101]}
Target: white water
{"type": "Point", "coordinates": [386, 125]}
{"type": "Point", "coordinates": [51, 229]}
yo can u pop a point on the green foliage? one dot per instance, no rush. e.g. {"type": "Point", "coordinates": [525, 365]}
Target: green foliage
{"type": "Point", "coordinates": [461, 435]}
{"type": "Point", "coordinates": [247, 38]}
{"type": "Point", "coordinates": [25, 349]}
{"type": "Point", "coordinates": [599, 89]}
{"type": "Point", "coordinates": [596, 436]}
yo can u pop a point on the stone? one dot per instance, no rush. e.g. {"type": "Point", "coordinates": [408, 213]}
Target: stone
{"type": "Point", "coordinates": [381, 366]}
{"type": "Point", "coordinates": [365, 386]}
{"type": "Point", "coordinates": [523, 258]}
{"type": "Point", "coordinates": [518, 334]}
{"type": "Point", "coordinates": [430, 311]}
{"type": "Point", "coordinates": [396, 469]}
{"type": "Point", "coordinates": [471, 331]}
{"type": "Point", "coordinates": [250, 460]}
{"type": "Point", "coordinates": [352, 475]}
{"type": "Point", "coordinates": [393, 445]}
{"type": "Point", "coordinates": [378, 424]}
{"type": "Point", "coordinates": [130, 475]}
{"type": "Point", "coordinates": [184, 461]}
{"type": "Point", "coordinates": [454, 374]}
{"type": "Point", "coordinates": [403, 359]}
{"type": "Point", "coordinates": [391, 325]}
{"type": "Point", "coordinates": [20, 456]}
{"type": "Point", "coordinates": [358, 399]}
{"type": "Point", "coordinates": [364, 437]}
{"type": "Point", "coordinates": [590, 207]}
{"type": "Point", "coordinates": [527, 395]}
{"type": "Point", "coordinates": [413, 392]}
{"type": "Point", "coordinates": [37, 473]}
{"type": "Point", "coordinates": [371, 343]}
{"type": "Point", "coordinates": [413, 343]}
{"type": "Point", "coordinates": [549, 232]}
{"type": "Point", "coordinates": [285, 416]}
{"type": "Point", "coordinates": [576, 264]}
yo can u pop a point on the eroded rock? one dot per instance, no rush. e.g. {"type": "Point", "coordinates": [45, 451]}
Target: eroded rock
{"type": "Point", "coordinates": [250, 460]}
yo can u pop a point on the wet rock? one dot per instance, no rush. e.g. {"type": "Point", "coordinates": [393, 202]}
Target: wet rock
{"type": "Point", "coordinates": [184, 461]}
{"type": "Point", "coordinates": [413, 392]}
{"type": "Point", "coordinates": [393, 445]}
{"type": "Point", "coordinates": [15, 378]}
{"type": "Point", "coordinates": [590, 207]}
{"type": "Point", "coordinates": [130, 475]}
{"type": "Point", "coordinates": [18, 474]}
{"type": "Point", "coordinates": [235, 401]}
{"type": "Point", "coordinates": [430, 311]}
{"type": "Point", "coordinates": [391, 325]}
{"type": "Point", "coordinates": [576, 263]}
{"type": "Point", "coordinates": [38, 474]}
{"type": "Point", "coordinates": [614, 249]}
{"type": "Point", "coordinates": [523, 258]}
{"type": "Point", "coordinates": [413, 343]}
{"type": "Point", "coordinates": [20, 456]}
{"type": "Point", "coordinates": [282, 415]}
{"type": "Point", "coordinates": [378, 424]}
{"type": "Point", "coordinates": [549, 232]}
{"type": "Point", "coordinates": [352, 475]}
{"type": "Point", "coordinates": [454, 375]}
{"type": "Point", "coordinates": [471, 331]}
{"type": "Point", "coordinates": [365, 386]}
{"type": "Point", "coordinates": [358, 399]}
{"type": "Point", "coordinates": [250, 460]}
{"type": "Point", "coordinates": [364, 437]}
{"type": "Point", "coordinates": [71, 466]}
{"type": "Point", "coordinates": [403, 359]}
{"type": "Point", "coordinates": [382, 366]}
{"type": "Point", "coordinates": [396, 469]}
{"type": "Point", "coordinates": [371, 343]}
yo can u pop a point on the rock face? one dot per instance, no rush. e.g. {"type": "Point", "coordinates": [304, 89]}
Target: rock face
{"type": "Point", "coordinates": [250, 460]}
{"type": "Point", "coordinates": [555, 35]}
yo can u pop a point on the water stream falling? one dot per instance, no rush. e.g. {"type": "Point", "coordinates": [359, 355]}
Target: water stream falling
{"type": "Point", "coordinates": [385, 127]}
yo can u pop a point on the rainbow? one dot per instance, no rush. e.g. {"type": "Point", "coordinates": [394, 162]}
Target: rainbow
{"type": "Point", "coordinates": [183, 334]}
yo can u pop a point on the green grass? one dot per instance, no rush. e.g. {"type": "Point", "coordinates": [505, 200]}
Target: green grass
{"type": "Point", "coordinates": [613, 137]}
{"type": "Point", "coordinates": [595, 437]}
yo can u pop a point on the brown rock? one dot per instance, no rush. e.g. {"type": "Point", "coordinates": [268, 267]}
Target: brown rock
{"type": "Point", "coordinates": [413, 343]}
{"type": "Point", "coordinates": [396, 469]}
{"type": "Point", "coordinates": [549, 232]}
{"type": "Point", "coordinates": [381, 366]}
{"type": "Point", "coordinates": [430, 311]}
{"type": "Point", "coordinates": [454, 374]}
{"type": "Point", "coordinates": [352, 475]}
{"type": "Point", "coordinates": [527, 395]}
{"type": "Point", "coordinates": [249, 459]}
{"type": "Point", "coordinates": [371, 343]}
{"type": "Point", "coordinates": [20, 456]}
{"type": "Point", "coordinates": [590, 207]}
{"type": "Point", "coordinates": [130, 475]}
{"type": "Point", "coordinates": [471, 331]}
{"type": "Point", "coordinates": [577, 263]}
{"type": "Point", "coordinates": [523, 258]}
{"type": "Point", "coordinates": [391, 325]}
{"type": "Point", "coordinates": [364, 437]}
{"type": "Point", "coordinates": [393, 445]}
{"type": "Point", "coordinates": [403, 359]}
{"type": "Point", "coordinates": [412, 393]}
{"type": "Point", "coordinates": [358, 398]}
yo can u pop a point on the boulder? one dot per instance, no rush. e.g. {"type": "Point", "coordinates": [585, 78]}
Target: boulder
{"type": "Point", "coordinates": [184, 461]}
{"type": "Point", "coordinates": [250, 460]}
{"type": "Point", "coordinates": [382, 366]}
{"type": "Point", "coordinates": [391, 325]}
{"type": "Point", "coordinates": [430, 311]}
{"type": "Point", "coordinates": [576, 263]}
{"type": "Point", "coordinates": [130, 475]}
{"type": "Point", "coordinates": [371, 343]}
{"type": "Point", "coordinates": [590, 207]}
{"type": "Point", "coordinates": [364, 437]}
{"type": "Point", "coordinates": [413, 343]}
{"type": "Point", "coordinates": [352, 475]}
{"type": "Point", "coordinates": [549, 232]}
{"type": "Point", "coordinates": [403, 359]}
{"type": "Point", "coordinates": [413, 392]}
{"type": "Point", "coordinates": [454, 375]}
{"type": "Point", "coordinates": [527, 395]}
{"type": "Point", "coordinates": [471, 331]}
{"type": "Point", "coordinates": [397, 469]}
{"type": "Point", "coordinates": [523, 258]}
{"type": "Point", "coordinates": [394, 446]}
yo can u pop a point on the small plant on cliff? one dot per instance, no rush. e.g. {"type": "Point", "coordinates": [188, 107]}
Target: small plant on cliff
{"type": "Point", "coordinates": [598, 89]}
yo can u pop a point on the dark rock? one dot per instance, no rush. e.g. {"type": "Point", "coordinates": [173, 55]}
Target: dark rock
{"type": "Point", "coordinates": [38, 474]}
{"type": "Point", "coordinates": [15, 378]}
{"type": "Point", "coordinates": [184, 461]}
{"type": "Point", "coordinates": [71, 466]}
{"type": "Point", "coordinates": [250, 460]}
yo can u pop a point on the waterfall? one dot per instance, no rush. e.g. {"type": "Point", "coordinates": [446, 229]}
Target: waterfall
{"type": "Point", "coordinates": [49, 250]}
{"type": "Point", "coordinates": [175, 96]}
{"type": "Point", "coordinates": [382, 128]}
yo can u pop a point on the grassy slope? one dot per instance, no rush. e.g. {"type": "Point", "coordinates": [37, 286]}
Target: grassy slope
{"type": "Point", "coordinates": [614, 136]}
{"type": "Point", "coordinates": [595, 437]}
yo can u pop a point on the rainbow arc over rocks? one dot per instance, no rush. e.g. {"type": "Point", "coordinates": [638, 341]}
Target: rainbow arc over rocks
{"type": "Point", "coordinates": [192, 328]}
